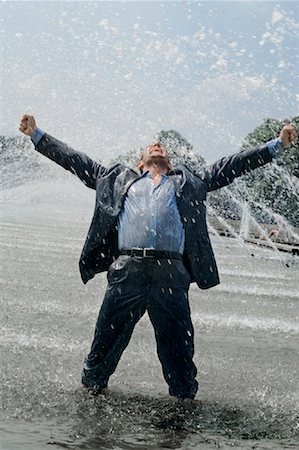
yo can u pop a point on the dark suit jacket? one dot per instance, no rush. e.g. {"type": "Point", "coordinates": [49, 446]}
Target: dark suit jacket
{"type": "Point", "coordinates": [112, 184]}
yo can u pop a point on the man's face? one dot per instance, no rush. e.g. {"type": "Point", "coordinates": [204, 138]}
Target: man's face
{"type": "Point", "coordinates": [155, 154]}
{"type": "Point", "coordinates": [155, 149]}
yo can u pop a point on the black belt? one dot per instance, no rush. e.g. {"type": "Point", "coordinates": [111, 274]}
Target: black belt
{"type": "Point", "coordinates": [151, 253]}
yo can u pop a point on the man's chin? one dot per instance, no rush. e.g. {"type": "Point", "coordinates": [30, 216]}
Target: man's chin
{"type": "Point", "coordinates": [158, 160]}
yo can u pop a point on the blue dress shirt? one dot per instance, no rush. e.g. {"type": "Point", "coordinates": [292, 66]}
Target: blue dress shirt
{"type": "Point", "coordinates": [150, 217]}
{"type": "Point", "coordinates": [275, 147]}
{"type": "Point", "coordinates": [37, 135]}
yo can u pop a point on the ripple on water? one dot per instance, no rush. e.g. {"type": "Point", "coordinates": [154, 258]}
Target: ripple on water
{"type": "Point", "coordinates": [67, 419]}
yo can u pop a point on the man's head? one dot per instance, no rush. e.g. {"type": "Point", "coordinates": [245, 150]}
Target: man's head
{"type": "Point", "coordinates": [155, 154]}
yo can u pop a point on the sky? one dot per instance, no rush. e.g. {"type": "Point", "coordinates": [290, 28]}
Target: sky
{"type": "Point", "coordinates": [107, 76]}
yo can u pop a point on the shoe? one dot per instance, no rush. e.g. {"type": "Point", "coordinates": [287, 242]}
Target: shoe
{"type": "Point", "coordinates": [183, 401]}
{"type": "Point", "coordinates": [91, 392]}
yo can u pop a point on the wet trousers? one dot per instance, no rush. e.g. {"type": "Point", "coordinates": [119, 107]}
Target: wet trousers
{"type": "Point", "coordinates": [137, 284]}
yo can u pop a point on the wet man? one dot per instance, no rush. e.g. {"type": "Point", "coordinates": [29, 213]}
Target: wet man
{"type": "Point", "coordinates": [149, 231]}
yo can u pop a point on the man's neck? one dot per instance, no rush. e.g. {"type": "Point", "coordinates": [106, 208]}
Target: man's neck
{"type": "Point", "coordinates": [156, 172]}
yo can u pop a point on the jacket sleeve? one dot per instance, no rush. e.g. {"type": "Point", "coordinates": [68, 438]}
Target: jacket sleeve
{"type": "Point", "coordinates": [76, 162]}
{"type": "Point", "coordinates": [224, 171]}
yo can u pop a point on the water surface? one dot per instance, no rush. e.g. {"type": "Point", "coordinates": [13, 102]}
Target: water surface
{"type": "Point", "coordinates": [246, 349]}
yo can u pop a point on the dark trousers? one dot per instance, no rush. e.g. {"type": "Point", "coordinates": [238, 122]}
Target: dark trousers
{"type": "Point", "coordinates": [134, 286]}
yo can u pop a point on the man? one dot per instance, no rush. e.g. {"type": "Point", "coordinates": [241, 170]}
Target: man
{"type": "Point", "coordinates": [149, 231]}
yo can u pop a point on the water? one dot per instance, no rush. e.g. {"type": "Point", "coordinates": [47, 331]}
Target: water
{"type": "Point", "coordinates": [246, 345]}
{"type": "Point", "coordinates": [112, 75]}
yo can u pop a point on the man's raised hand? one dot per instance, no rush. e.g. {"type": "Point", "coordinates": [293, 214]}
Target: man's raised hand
{"type": "Point", "coordinates": [288, 135]}
{"type": "Point", "coordinates": [27, 125]}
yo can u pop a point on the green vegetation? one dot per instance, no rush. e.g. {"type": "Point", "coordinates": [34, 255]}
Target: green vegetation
{"type": "Point", "coordinates": [181, 151]}
{"type": "Point", "coordinates": [273, 188]}
{"type": "Point", "coordinates": [276, 185]}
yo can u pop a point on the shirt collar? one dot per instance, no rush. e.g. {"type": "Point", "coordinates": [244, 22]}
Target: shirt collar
{"type": "Point", "coordinates": [148, 174]}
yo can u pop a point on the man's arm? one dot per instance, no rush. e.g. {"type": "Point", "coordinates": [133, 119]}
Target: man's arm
{"type": "Point", "coordinates": [76, 162]}
{"type": "Point", "coordinates": [224, 171]}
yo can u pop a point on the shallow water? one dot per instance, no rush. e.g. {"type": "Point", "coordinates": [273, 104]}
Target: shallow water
{"type": "Point", "coordinates": [246, 339]}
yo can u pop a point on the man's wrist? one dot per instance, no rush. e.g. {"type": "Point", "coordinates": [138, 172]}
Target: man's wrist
{"type": "Point", "coordinates": [37, 135]}
{"type": "Point", "coordinates": [275, 147]}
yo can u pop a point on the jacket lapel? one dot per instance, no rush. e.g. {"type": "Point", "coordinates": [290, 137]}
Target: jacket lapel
{"type": "Point", "coordinates": [178, 178]}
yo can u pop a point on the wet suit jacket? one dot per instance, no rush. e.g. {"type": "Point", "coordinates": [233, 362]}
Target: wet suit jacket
{"type": "Point", "coordinates": [111, 185]}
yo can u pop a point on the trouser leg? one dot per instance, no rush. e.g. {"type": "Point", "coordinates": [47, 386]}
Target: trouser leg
{"type": "Point", "coordinates": [124, 304]}
{"type": "Point", "coordinates": [169, 313]}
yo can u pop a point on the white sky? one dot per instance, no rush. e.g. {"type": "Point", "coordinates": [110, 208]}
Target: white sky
{"type": "Point", "coordinates": [107, 76]}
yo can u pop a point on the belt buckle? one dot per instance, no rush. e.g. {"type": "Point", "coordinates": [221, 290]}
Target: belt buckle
{"type": "Point", "coordinates": [144, 252]}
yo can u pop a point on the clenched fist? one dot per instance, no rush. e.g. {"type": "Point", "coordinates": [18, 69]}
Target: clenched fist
{"type": "Point", "coordinates": [288, 135]}
{"type": "Point", "coordinates": [27, 125]}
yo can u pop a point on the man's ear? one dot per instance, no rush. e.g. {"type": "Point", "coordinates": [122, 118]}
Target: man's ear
{"type": "Point", "coordinates": [140, 165]}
